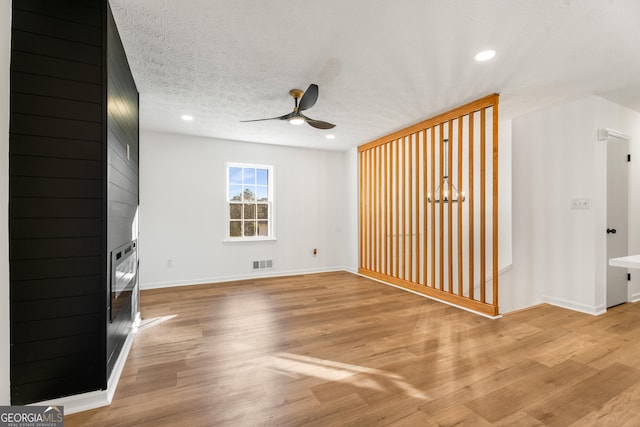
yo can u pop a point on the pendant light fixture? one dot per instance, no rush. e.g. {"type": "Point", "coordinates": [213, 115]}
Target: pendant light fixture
{"type": "Point", "coordinates": [448, 190]}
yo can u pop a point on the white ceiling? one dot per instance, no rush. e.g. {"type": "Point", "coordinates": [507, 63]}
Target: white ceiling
{"type": "Point", "coordinates": [381, 65]}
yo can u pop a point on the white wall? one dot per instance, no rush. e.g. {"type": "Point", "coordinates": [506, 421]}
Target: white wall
{"type": "Point", "coordinates": [504, 196]}
{"type": "Point", "coordinates": [353, 205]}
{"type": "Point", "coordinates": [183, 211]}
{"type": "Point", "coordinates": [508, 294]}
{"type": "Point", "coordinates": [558, 253]}
{"type": "Point", "coordinates": [554, 159]}
{"type": "Point", "coordinates": [5, 53]}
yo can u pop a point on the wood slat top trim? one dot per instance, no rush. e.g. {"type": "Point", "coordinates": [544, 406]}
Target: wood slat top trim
{"type": "Point", "coordinates": [487, 101]}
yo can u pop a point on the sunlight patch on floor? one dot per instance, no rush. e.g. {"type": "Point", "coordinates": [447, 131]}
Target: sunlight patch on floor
{"type": "Point", "coordinates": [147, 323]}
{"type": "Point", "coordinates": [295, 365]}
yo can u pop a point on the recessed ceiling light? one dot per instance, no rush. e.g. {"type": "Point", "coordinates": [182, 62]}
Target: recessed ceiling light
{"type": "Point", "coordinates": [330, 136]}
{"type": "Point", "coordinates": [485, 55]}
{"type": "Point", "coordinates": [186, 118]}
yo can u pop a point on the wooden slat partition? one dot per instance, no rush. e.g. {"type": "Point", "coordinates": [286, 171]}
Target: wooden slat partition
{"type": "Point", "coordinates": [446, 250]}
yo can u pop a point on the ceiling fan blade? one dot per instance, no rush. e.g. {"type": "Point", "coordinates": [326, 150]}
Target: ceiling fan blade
{"type": "Point", "coordinates": [309, 98]}
{"type": "Point", "coordinates": [319, 124]}
{"type": "Point", "coordinates": [285, 117]}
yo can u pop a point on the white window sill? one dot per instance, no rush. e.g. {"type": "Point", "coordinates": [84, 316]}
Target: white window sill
{"type": "Point", "coordinates": [250, 239]}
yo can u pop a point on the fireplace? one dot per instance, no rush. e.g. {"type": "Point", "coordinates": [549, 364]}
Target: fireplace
{"type": "Point", "coordinates": [124, 276]}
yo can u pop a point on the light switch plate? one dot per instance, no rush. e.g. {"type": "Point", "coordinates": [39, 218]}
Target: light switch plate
{"type": "Point", "coordinates": [580, 204]}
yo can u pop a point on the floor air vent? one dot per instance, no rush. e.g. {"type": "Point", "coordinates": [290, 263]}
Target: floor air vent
{"type": "Point", "coordinates": [261, 265]}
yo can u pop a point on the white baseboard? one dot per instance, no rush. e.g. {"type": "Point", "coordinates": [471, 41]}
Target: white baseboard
{"type": "Point", "coordinates": [351, 270]}
{"type": "Point", "coordinates": [575, 306]}
{"type": "Point", "coordinates": [220, 279]}
{"type": "Point", "coordinates": [96, 399]}
{"type": "Point", "coordinates": [634, 297]}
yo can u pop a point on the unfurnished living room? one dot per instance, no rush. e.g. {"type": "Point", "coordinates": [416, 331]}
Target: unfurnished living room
{"type": "Point", "coordinates": [333, 213]}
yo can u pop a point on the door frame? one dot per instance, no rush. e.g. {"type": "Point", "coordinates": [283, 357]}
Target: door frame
{"type": "Point", "coordinates": [610, 136]}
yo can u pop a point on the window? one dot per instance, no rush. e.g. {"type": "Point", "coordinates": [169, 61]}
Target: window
{"type": "Point", "coordinates": [249, 202]}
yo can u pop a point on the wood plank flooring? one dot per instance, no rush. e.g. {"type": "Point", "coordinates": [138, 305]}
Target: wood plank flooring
{"type": "Point", "coordinates": [337, 349]}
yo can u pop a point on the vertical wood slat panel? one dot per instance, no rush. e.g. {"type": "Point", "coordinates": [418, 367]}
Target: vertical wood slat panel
{"type": "Point", "coordinates": [397, 210]}
{"type": "Point", "coordinates": [472, 244]}
{"type": "Point", "coordinates": [403, 204]}
{"type": "Point", "coordinates": [409, 244]}
{"type": "Point", "coordinates": [381, 198]}
{"type": "Point", "coordinates": [483, 204]}
{"type": "Point", "coordinates": [387, 233]}
{"type": "Point", "coordinates": [370, 211]}
{"type": "Point", "coordinates": [450, 209]}
{"type": "Point", "coordinates": [380, 209]}
{"type": "Point", "coordinates": [460, 248]}
{"type": "Point", "coordinates": [372, 208]}
{"type": "Point", "coordinates": [433, 208]}
{"type": "Point", "coordinates": [380, 205]}
{"type": "Point", "coordinates": [372, 224]}
{"type": "Point", "coordinates": [441, 210]}
{"type": "Point", "coordinates": [425, 210]}
{"type": "Point", "coordinates": [495, 230]}
{"type": "Point", "coordinates": [410, 206]}
{"type": "Point", "coordinates": [383, 208]}
{"type": "Point", "coordinates": [363, 207]}
{"type": "Point", "coordinates": [368, 189]}
{"type": "Point", "coordinates": [363, 211]}
{"type": "Point", "coordinates": [360, 211]}
{"type": "Point", "coordinates": [375, 171]}
{"type": "Point", "coordinates": [380, 218]}
{"type": "Point", "coordinates": [417, 145]}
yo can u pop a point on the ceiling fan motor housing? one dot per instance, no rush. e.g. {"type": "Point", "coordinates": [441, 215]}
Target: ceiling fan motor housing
{"type": "Point", "coordinates": [296, 93]}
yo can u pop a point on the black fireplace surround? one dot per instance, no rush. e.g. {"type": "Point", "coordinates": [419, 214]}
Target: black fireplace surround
{"type": "Point", "coordinates": [73, 198]}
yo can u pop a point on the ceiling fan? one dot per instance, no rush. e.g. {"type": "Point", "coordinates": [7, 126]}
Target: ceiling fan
{"type": "Point", "coordinates": [307, 100]}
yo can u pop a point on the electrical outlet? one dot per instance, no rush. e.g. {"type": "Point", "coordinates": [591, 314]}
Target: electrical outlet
{"type": "Point", "coordinates": [169, 263]}
{"type": "Point", "coordinates": [580, 204]}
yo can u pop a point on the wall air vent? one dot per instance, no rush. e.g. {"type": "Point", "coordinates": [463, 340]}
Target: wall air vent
{"type": "Point", "coordinates": [261, 265]}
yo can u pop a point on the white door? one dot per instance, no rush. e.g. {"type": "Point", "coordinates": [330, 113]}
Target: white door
{"type": "Point", "coordinates": [617, 183]}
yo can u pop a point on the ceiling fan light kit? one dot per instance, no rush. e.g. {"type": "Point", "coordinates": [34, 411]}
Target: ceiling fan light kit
{"type": "Point", "coordinates": [296, 120]}
{"type": "Point", "coordinates": [306, 100]}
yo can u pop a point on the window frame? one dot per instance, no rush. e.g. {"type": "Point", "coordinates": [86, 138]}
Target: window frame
{"type": "Point", "coordinates": [270, 202]}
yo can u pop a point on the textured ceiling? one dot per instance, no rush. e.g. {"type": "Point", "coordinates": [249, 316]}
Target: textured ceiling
{"type": "Point", "coordinates": [380, 65]}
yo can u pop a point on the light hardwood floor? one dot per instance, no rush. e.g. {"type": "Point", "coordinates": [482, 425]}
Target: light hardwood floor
{"type": "Point", "coordinates": [336, 349]}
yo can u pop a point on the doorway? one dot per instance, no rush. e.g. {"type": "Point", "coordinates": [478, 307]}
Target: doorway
{"type": "Point", "coordinates": [617, 216]}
